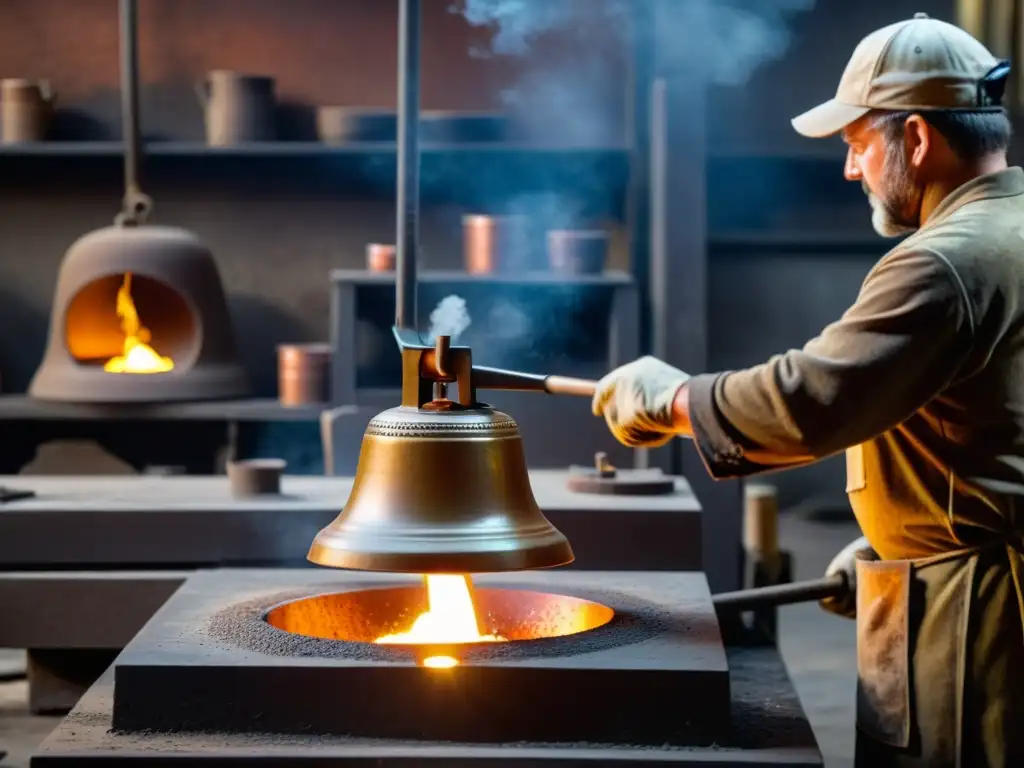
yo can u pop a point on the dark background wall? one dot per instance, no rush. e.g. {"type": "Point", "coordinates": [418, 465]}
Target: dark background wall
{"type": "Point", "coordinates": [790, 241]}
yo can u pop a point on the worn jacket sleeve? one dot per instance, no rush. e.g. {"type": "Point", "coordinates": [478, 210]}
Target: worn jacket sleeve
{"type": "Point", "coordinates": [898, 346]}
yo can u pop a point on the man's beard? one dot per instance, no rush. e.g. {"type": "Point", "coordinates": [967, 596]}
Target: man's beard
{"type": "Point", "coordinates": [891, 216]}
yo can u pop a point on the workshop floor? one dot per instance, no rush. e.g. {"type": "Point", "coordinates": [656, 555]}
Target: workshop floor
{"type": "Point", "coordinates": [819, 650]}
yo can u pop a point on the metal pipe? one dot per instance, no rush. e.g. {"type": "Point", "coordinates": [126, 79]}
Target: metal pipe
{"type": "Point", "coordinates": [408, 183]}
{"type": "Point", "coordinates": [130, 107]}
{"type": "Point", "coordinates": [782, 594]}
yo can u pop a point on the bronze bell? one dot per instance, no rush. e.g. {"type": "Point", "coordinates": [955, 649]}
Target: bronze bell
{"type": "Point", "coordinates": [441, 485]}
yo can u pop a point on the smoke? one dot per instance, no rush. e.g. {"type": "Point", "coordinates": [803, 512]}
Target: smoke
{"type": "Point", "coordinates": [729, 38]}
{"type": "Point", "coordinates": [449, 318]}
{"type": "Point", "coordinates": [509, 322]}
{"type": "Point", "coordinates": [516, 22]}
{"type": "Point", "coordinates": [571, 93]}
{"type": "Point", "coordinates": [735, 37]}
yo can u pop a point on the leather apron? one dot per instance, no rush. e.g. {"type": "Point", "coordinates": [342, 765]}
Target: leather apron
{"type": "Point", "coordinates": [913, 646]}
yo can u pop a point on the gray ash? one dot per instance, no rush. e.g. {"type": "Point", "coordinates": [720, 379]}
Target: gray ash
{"type": "Point", "coordinates": [244, 625]}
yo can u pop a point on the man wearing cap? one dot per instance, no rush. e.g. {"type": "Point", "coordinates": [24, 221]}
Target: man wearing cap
{"type": "Point", "coordinates": [921, 383]}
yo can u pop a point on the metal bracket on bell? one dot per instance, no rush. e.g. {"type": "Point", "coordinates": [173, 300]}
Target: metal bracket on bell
{"type": "Point", "coordinates": [429, 369]}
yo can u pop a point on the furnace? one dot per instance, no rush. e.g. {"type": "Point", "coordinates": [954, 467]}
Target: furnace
{"type": "Point", "coordinates": [139, 313]}
{"type": "Point", "coordinates": [282, 667]}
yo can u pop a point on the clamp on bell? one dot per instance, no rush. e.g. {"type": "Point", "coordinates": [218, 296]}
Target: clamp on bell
{"type": "Point", "coordinates": [442, 484]}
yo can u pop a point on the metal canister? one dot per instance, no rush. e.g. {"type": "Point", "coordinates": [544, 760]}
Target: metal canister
{"type": "Point", "coordinates": [338, 125]}
{"type": "Point", "coordinates": [239, 108]}
{"type": "Point", "coordinates": [26, 108]}
{"type": "Point", "coordinates": [255, 477]}
{"type": "Point", "coordinates": [380, 257]}
{"type": "Point", "coordinates": [303, 374]}
{"type": "Point", "coordinates": [495, 244]}
{"type": "Point", "coordinates": [577, 251]}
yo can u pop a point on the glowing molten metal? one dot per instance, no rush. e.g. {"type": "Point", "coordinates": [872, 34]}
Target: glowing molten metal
{"type": "Point", "coordinates": [138, 356]}
{"type": "Point", "coordinates": [450, 618]}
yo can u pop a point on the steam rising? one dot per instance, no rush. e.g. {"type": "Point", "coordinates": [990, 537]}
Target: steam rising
{"type": "Point", "coordinates": [516, 22]}
{"type": "Point", "coordinates": [509, 321]}
{"type": "Point", "coordinates": [572, 95]}
{"type": "Point", "coordinates": [449, 318]}
{"type": "Point", "coordinates": [730, 38]}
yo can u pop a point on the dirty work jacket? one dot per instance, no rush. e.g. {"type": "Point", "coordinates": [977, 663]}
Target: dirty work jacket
{"type": "Point", "coordinates": [921, 382]}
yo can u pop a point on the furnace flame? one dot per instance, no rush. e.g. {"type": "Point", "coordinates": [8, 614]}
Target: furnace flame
{"type": "Point", "coordinates": [138, 356]}
{"type": "Point", "coordinates": [450, 618]}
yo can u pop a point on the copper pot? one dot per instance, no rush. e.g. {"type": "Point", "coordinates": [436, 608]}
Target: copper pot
{"type": "Point", "coordinates": [495, 244]}
{"type": "Point", "coordinates": [380, 258]}
{"type": "Point", "coordinates": [303, 374]}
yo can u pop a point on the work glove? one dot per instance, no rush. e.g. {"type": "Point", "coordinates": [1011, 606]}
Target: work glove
{"type": "Point", "coordinates": [846, 563]}
{"type": "Point", "coordinates": [636, 401]}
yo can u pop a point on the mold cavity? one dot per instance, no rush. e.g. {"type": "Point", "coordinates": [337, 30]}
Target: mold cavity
{"type": "Point", "coordinates": [129, 323]}
{"type": "Point", "coordinates": [364, 616]}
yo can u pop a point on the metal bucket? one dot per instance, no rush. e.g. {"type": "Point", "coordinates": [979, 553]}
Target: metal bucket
{"type": "Point", "coordinates": [239, 108]}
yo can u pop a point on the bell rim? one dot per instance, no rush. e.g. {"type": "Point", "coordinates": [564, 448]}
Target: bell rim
{"type": "Point", "coordinates": [551, 555]}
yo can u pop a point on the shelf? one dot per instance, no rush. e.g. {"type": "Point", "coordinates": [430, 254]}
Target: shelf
{"type": "Point", "coordinates": [293, 149]}
{"type": "Point", "coordinates": [814, 152]}
{"type": "Point", "coordinates": [25, 408]}
{"type": "Point", "coordinates": [478, 175]}
{"type": "Point", "coordinates": [862, 242]}
{"type": "Point", "coordinates": [365, 277]}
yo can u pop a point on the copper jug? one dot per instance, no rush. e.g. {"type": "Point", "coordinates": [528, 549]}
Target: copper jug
{"type": "Point", "coordinates": [239, 108]}
{"type": "Point", "coordinates": [26, 108]}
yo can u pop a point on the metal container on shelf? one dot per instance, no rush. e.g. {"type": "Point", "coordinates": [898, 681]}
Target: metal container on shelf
{"type": "Point", "coordinates": [380, 257]}
{"type": "Point", "coordinates": [239, 108]}
{"type": "Point", "coordinates": [26, 109]}
{"type": "Point", "coordinates": [577, 251]}
{"type": "Point", "coordinates": [448, 127]}
{"type": "Point", "coordinates": [339, 125]}
{"type": "Point", "coordinates": [255, 477]}
{"type": "Point", "coordinates": [303, 372]}
{"type": "Point", "coordinates": [495, 244]}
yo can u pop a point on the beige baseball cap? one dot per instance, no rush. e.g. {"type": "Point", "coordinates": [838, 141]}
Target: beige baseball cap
{"type": "Point", "coordinates": [918, 64]}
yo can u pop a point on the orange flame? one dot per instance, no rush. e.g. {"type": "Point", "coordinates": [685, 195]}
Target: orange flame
{"type": "Point", "coordinates": [450, 618]}
{"type": "Point", "coordinates": [138, 356]}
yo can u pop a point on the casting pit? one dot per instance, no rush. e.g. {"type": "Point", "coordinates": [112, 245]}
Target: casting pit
{"type": "Point", "coordinates": [211, 680]}
{"type": "Point", "coordinates": [386, 616]}
{"type": "Point", "coordinates": [632, 657]}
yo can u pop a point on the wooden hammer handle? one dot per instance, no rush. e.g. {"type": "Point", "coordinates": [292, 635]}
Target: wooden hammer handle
{"type": "Point", "coordinates": [497, 378]}
{"type": "Point", "coordinates": [565, 385]}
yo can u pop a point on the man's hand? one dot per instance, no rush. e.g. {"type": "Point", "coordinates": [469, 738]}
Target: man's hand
{"type": "Point", "coordinates": [846, 563]}
{"type": "Point", "coordinates": [637, 402]}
